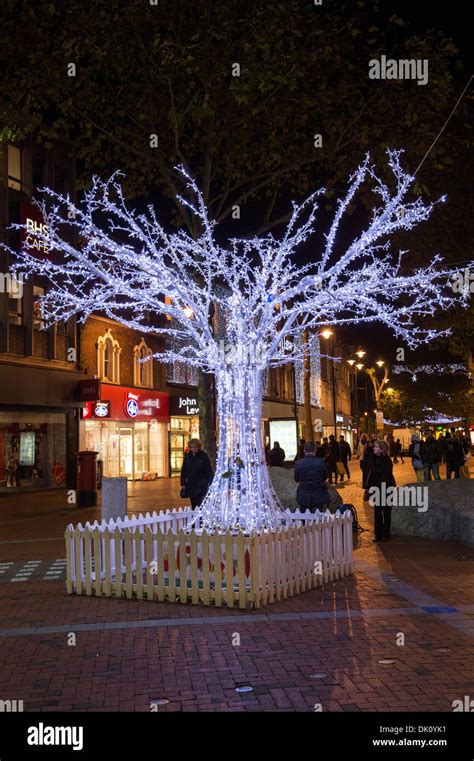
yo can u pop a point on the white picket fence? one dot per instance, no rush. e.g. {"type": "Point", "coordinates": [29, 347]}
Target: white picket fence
{"type": "Point", "coordinates": [161, 557]}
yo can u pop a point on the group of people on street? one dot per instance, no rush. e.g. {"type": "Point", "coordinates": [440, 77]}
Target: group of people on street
{"type": "Point", "coordinates": [451, 449]}
{"type": "Point", "coordinates": [336, 455]}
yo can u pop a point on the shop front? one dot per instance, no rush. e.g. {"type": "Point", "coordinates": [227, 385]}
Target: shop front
{"type": "Point", "coordinates": [184, 425]}
{"type": "Point", "coordinates": [38, 428]}
{"type": "Point", "coordinates": [128, 428]}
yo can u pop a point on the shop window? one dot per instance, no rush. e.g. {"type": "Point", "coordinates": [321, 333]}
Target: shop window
{"type": "Point", "coordinates": [108, 357]}
{"type": "Point", "coordinates": [15, 311]}
{"type": "Point", "coordinates": [142, 371]}
{"type": "Point", "coordinates": [38, 317]}
{"type": "Point", "coordinates": [14, 167]}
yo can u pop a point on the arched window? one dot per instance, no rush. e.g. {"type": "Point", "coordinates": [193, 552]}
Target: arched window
{"type": "Point", "coordinates": [108, 357]}
{"type": "Point", "coordinates": [142, 371]}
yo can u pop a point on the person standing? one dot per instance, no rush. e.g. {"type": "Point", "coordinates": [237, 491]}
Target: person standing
{"type": "Point", "coordinates": [196, 473]}
{"type": "Point", "coordinates": [333, 456]}
{"type": "Point", "coordinates": [431, 457]}
{"type": "Point", "coordinates": [277, 455]}
{"type": "Point", "coordinates": [310, 474]}
{"type": "Point", "coordinates": [346, 454]}
{"type": "Point", "coordinates": [454, 456]}
{"type": "Point", "coordinates": [416, 453]}
{"type": "Point", "coordinates": [379, 472]}
{"type": "Point", "coordinates": [300, 450]}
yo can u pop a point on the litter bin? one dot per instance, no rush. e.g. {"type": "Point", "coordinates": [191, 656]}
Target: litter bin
{"type": "Point", "coordinates": [86, 479]}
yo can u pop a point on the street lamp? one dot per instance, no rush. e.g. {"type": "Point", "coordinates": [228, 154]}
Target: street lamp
{"type": "Point", "coordinates": [329, 334]}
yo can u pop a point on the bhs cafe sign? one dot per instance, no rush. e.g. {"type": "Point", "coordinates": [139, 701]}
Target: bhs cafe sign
{"type": "Point", "coordinates": [183, 405]}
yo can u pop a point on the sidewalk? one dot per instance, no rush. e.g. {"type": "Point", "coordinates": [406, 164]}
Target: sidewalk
{"type": "Point", "coordinates": [397, 636]}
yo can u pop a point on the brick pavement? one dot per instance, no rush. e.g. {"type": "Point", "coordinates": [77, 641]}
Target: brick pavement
{"type": "Point", "coordinates": [322, 648]}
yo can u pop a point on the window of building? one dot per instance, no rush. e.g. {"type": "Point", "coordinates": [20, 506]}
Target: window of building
{"type": "Point", "coordinates": [142, 371]}
{"type": "Point", "coordinates": [38, 171]}
{"type": "Point", "coordinates": [15, 310]}
{"type": "Point", "coordinates": [108, 357]}
{"type": "Point", "coordinates": [60, 179]}
{"type": "Point", "coordinates": [38, 317]}
{"type": "Point", "coordinates": [14, 167]}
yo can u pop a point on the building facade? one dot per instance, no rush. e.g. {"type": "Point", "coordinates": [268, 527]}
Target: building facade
{"type": "Point", "coordinates": [39, 370]}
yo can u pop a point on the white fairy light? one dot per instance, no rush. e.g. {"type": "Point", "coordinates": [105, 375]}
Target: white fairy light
{"type": "Point", "coordinates": [130, 269]}
{"type": "Point", "coordinates": [439, 368]}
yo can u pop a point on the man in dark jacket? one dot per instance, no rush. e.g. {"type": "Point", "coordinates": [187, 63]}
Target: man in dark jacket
{"type": "Point", "coordinates": [310, 474]}
{"type": "Point", "coordinates": [379, 475]}
{"type": "Point", "coordinates": [454, 455]}
{"type": "Point", "coordinates": [277, 455]}
{"type": "Point", "coordinates": [431, 456]}
{"type": "Point", "coordinates": [196, 473]}
{"type": "Point", "coordinates": [346, 454]}
{"type": "Point", "coordinates": [333, 456]}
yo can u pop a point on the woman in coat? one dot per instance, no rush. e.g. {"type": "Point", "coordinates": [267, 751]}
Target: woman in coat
{"type": "Point", "coordinates": [196, 473]}
{"type": "Point", "coordinates": [379, 471]}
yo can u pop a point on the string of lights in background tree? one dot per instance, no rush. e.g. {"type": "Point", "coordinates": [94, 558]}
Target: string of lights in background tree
{"type": "Point", "coordinates": [131, 269]}
{"type": "Point", "coordinates": [438, 369]}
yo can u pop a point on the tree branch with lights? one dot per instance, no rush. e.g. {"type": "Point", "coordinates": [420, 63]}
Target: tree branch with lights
{"type": "Point", "coordinates": [129, 268]}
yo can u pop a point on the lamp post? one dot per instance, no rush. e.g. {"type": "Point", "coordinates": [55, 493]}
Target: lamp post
{"type": "Point", "coordinates": [378, 385]}
{"type": "Point", "coordinates": [329, 334]}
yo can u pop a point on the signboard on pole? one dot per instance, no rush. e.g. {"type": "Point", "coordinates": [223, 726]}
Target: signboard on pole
{"type": "Point", "coordinates": [379, 420]}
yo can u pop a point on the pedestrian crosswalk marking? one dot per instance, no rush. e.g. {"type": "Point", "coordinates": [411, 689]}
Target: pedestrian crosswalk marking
{"type": "Point", "coordinates": [33, 570]}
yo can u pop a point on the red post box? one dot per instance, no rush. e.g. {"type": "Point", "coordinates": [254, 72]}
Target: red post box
{"type": "Point", "coordinates": [86, 479]}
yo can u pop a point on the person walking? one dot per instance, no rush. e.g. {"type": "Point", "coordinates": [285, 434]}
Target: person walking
{"type": "Point", "coordinates": [310, 474]}
{"type": "Point", "coordinates": [346, 454]}
{"type": "Point", "coordinates": [415, 451]}
{"type": "Point", "coordinates": [196, 473]}
{"type": "Point", "coordinates": [333, 456]}
{"type": "Point", "coordinates": [398, 451]}
{"type": "Point", "coordinates": [379, 474]}
{"type": "Point", "coordinates": [431, 457]}
{"type": "Point", "coordinates": [454, 456]}
{"type": "Point", "coordinates": [277, 455]}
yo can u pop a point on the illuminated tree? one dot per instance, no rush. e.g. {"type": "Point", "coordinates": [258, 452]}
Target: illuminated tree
{"type": "Point", "coordinates": [130, 269]}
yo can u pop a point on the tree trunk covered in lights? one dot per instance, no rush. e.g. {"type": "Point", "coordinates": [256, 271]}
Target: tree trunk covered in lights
{"type": "Point", "coordinates": [207, 426]}
{"type": "Point", "coordinates": [308, 421]}
{"type": "Point", "coordinates": [241, 495]}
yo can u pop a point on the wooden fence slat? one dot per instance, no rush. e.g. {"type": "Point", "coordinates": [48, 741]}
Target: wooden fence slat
{"type": "Point", "coordinates": [284, 565]}
{"type": "Point", "coordinates": [98, 561]}
{"type": "Point", "coordinates": [138, 537]}
{"type": "Point", "coordinates": [118, 549]}
{"type": "Point", "coordinates": [216, 546]}
{"type": "Point", "coordinates": [194, 567]}
{"type": "Point", "coordinates": [206, 591]}
{"type": "Point", "coordinates": [148, 544]}
{"type": "Point", "coordinates": [107, 587]}
{"type": "Point", "coordinates": [170, 537]}
{"type": "Point", "coordinates": [78, 559]}
{"type": "Point", "coordinates": [271, 567]}
{"type": "Point", "coordinates": [241, 580]}
{"type": "Point", "coordinates": [68, 536]}
{"type": "Point", "coordinates": [127, 540]}
{"type": "Point", "coordinates": [278, 571]}
{"type": "Point", "coordinates": [263, 567]}
{"type": "Point", "coordinates": [183, 568]}
{"type": "Point", "coordinates": [255, 566]}
{"type": "Point", "coordinates": [159, 542]}
{"type": "Point", "coordinates": [229, 569]}
{"type": "Point", "coordinates": [86, 537]}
